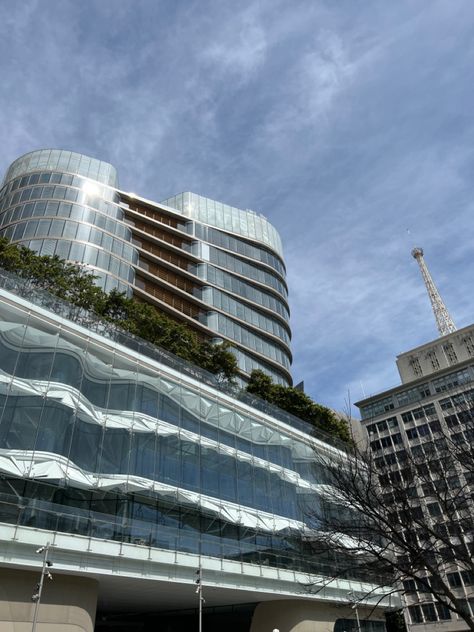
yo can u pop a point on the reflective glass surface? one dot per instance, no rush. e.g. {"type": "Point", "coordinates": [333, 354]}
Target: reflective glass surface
{"type": "Point", "coordinates": [99, 440]}
{"type": "Point", "coordinates": [239, 246]}
{"type": "Point", "coordinates": [62, 160]}
{"type": "Point", "coordinates": [230, 328]}
{"type": "Point", "coordinates": [235, 220]}
{"type": "Point", "coordinates": [253, 272]}
{"type": "Point", "coordinates": [235, 285]}
{"type": "Point", "coordinates": [61, 214]}
{"type": "Point", "coordinates": [232, 306]}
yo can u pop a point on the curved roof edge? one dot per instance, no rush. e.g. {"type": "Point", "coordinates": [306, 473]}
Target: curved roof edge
{"type": "Point", "coordinates": [245, 223]}
{"type": "Point", "coordinates": [63, 160]}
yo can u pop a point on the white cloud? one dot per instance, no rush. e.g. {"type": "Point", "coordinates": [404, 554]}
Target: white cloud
{"type": "Point", "coordinates": [237, 50]}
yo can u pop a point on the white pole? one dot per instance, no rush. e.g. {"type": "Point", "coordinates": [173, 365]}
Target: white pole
{"type": "Point", "coordinates": [199, 593]}
{"type": "Point", "coordinates": [44, 571]}
{"type": "Point", "coordinates": [357, 617]}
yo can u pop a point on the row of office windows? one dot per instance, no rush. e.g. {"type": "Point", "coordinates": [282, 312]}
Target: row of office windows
{"type": "Point", "coordinates": [426, 412]}
{"type": "Point", "coordinates": [68, 194]}
{"type": "Point", "coordinates": [239, 246]}
{"type": "Point", "coordinates": [439, 385]}
{"type": "Point", "coordinates": [423, 430]}
{"type": "Point", "coordinates": [66, 179]}
{"type": "Point", "coordinates": [463, 399]}
{"type": "Point", "coordinates": [395, 401]}
{"type": "Point", "coordinates": [429, 612]}
{"type": "Point", "coordinates": [423, 412]}
{"type": "Point", "coordinates": [234, 264]}
{"type": "Point", "coordinates": [232, 284]}
{"type": "Point", "coordinates": [386, 442]}
{"type": "Point", "coordinates": [31, 423]}
{"type": "Point", "coordinates": [230, 328]}
{"type": "Point", "coordinates": [233, 307]}
{"type": "Point", "coordinates": [66, 210]}
{"type": "Point", "coordinates": [453, 380]}
{"type": "Point", "coordinates": [382, 426]}
{"type": "Point", "coordinates": [71, 231]}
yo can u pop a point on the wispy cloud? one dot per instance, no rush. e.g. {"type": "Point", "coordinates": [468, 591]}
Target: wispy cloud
{"type": "Point", "coordinates": [348, 125]}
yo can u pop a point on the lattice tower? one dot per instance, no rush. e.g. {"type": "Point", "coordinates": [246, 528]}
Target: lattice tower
{"type": "Point", "coordinates": [443, 319]}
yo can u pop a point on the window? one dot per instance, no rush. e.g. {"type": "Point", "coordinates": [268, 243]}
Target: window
{"type": "Point", "coordinates": [431, 357]}
{"type": "Point", "coordinates": [454, 580]}
{"type": "Point", "coordinates": [386, 442]}
{"type": "Point", "coordinates": [412, 433]}
{"type": "Point", "coordinates": [429, 612]}
{"type": "Point", "coordinates": [415, 365]}
{"type": "Point", "coordinates": [445, 404]}
{"type": "Point", "coordinates": [469, 345]}
{"type": "Point", "coordinates": [443, 612]}
{"type": "Point", "coordinates": [409, 585]}
{"type": "Point", "coordinates": [450, 353]}
{"type": "Point", "coordinates": [468, 578]}
{"type": "Point", "coordinates": [415, 614]}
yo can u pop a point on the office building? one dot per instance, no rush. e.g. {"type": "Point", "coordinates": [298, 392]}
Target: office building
{"type": "Point", "coordinates": [136, 467]}
{"type": "Point", "coordinates": [217, 268]}
{"type": "Point", "coordinates": [433, 404]}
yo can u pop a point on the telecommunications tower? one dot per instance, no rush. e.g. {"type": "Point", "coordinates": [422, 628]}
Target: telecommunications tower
{"type": "Point", "coordinates": [443, 319]}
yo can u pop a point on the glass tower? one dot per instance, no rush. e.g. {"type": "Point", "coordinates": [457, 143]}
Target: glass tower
{"type": "Point", "coordinates": [216, 267]}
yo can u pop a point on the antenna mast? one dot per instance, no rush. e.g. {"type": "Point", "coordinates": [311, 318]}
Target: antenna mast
{"type": "Point", "coordinates": [443, 319]}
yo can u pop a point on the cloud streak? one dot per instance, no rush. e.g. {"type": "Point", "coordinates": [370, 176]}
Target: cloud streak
{"type": "Point", "coordinates": [349, 126]}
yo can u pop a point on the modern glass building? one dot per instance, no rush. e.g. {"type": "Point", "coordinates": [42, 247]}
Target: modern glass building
{"type": "Point", "coordinates": [138, 469]}
{"type": "Point", "coordinates": [218, 268]}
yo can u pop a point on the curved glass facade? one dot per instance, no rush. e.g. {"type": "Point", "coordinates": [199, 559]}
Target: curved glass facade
{"type": "Point", "coordinates": [61, 160]}
{"type": "Point", "coordinates": [62, 203]}
{"type": "Point", "coordinates": [247, 224]}
{"type": "Point", "coordinates": [244, 256]}
{"type": "Point", "coordinates": [99, 440]}
{"type": "Point", "coordinates": [71, 216]}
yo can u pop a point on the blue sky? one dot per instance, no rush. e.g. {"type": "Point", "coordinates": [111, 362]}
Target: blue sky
{"type": "Point", "coordinates": [348, 124]}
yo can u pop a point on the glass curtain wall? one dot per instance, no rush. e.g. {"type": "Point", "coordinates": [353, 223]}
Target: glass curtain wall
{"type": "Point", "coordinates": [98, 440]}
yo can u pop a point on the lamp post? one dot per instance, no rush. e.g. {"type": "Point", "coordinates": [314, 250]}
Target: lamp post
{"type": "Point", "coordinates": [36, 597]}
{"type": "Point", "coordinates": [353, 601]}
{"type": "Point", "coordinates": [199, 593]}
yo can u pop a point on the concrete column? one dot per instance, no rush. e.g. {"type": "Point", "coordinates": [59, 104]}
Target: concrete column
{"type": "Point", "coordinates": [298, 615]}
{"type": "Point", "coordinates": [68, 603]}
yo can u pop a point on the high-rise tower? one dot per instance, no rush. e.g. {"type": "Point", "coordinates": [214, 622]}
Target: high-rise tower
{"type": "Point", "coordinates": [444, 321]}
{"type": "Point", "coordinates": [218, 268]}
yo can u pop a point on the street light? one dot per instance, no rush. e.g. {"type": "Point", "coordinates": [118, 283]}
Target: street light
{"type": "Point", "coordinates": [353, 600]}
{"type": "Point", "coordinates": [36, 597]}
{"type": "Point", "coordinates": [199, 592]}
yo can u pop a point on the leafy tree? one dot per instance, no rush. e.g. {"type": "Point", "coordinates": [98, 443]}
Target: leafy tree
{"type": "Point", "coordinates": [297, 403]}
{"type": "Point", "coordinates": [78, 286]}
{"type": "Point", "coordinates": [219, 359]}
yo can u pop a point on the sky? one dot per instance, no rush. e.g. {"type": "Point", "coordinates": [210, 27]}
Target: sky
{"type": "Point", "coordinates": [348, 124]}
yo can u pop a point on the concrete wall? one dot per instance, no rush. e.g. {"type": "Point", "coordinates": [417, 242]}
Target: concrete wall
{"type": "Point", "coordinates": [300, 616]}
{"type": "Point", "coordinates": [68, 603]}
